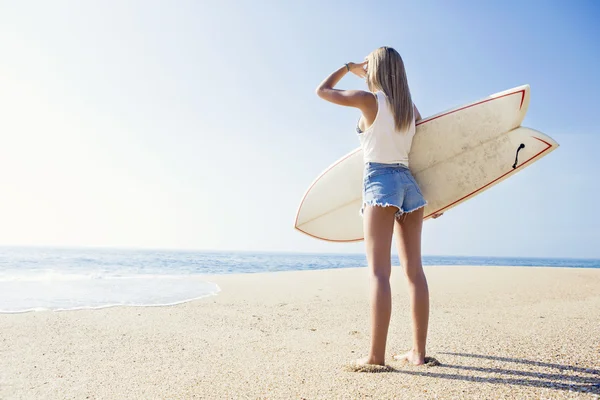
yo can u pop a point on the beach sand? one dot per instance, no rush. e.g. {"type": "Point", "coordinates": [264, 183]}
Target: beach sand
{"type": "Point", "coordinates": [498, 332]}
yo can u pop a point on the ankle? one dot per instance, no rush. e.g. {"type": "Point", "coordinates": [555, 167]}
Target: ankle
{"type": "Point", "coordinates": [418, 353]}
{"type": "Point", "coordinates": [375, 360]}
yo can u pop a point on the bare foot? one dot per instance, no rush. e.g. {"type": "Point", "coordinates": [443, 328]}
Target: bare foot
{"type": "Point", "coordinates": [368, 361]}
{"type": "Point", "coordinates": [367, 365]}
{"type": "Point", "coordinates": [412, 357]}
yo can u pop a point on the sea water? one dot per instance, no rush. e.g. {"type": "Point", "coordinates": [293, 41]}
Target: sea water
{"type": "Point", "coordinates": [65, 279]}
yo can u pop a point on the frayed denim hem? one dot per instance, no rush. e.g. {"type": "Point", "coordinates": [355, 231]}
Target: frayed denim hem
{"type": "Point", "coordinates": [399, 213]}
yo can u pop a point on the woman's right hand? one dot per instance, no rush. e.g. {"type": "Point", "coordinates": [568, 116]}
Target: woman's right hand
{"type": "Point", "coordinates": [359, 69]}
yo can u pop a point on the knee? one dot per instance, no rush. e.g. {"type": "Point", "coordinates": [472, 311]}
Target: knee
{"type": "Point", "coordinates": [414, 272]}
{"type": "Point", "coordinates": [381, 274]}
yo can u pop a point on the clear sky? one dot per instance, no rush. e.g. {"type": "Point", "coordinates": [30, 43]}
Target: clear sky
{"type": "Point", "coordinates": [194, 124]}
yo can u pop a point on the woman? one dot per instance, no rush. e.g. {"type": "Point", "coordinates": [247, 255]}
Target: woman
{"type": "Point", "coordinates": [391, 197]}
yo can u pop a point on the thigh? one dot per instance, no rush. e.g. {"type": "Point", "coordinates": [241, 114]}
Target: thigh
{"type": "Point", "coordinates": [408, 230]}
{"type": "Point", "coordinates": [379, 229]}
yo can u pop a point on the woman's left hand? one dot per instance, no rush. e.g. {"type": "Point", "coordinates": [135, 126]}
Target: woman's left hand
{"type": "Point", "coordinates": [359, 70]}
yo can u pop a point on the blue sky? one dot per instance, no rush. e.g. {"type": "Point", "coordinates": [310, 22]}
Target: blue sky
{"type": "Point", "coordinates": [194, 124]}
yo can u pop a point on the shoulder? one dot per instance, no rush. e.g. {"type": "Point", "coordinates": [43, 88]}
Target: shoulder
{"type": "Point", "coordinates": [366, 97]}
{"type": "Point", "coordinates": [351, 98]}
{"type": "Point", "coordinates": [364, 100]}
{"type": "Point", "coordinates": [369, 100]}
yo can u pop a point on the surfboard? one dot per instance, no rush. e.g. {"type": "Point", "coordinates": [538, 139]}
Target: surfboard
{"type": "Point", "coordinates": [455, 155]}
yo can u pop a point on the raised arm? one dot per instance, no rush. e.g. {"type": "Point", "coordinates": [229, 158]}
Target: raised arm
{"type": "Point", "coordinates": [350, 98]}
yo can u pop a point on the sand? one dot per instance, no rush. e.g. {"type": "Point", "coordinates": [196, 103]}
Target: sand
{"type": "Point", "coordinates": [498, 332]}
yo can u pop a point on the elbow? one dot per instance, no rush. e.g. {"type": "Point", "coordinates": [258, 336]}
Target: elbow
{"type": "Point", "coordinates": [322, 91]}
{"type": "Point", "coordinates": [319, 91]}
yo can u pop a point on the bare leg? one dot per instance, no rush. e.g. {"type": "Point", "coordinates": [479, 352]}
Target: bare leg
{"type": "Point", "coordinates": [379, 228]}
{"type": "Point", "coordinates": [408, 240]}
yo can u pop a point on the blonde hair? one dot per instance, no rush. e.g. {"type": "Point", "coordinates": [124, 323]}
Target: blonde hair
{"type": "Point", "coordinates": [385, 72]}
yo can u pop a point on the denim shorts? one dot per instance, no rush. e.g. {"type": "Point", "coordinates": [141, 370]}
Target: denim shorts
{"type": "Point", "coordinates": [391, 185]}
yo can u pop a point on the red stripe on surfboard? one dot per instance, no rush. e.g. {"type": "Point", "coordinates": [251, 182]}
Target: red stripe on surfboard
{"type": "Point", "coordinates": [330, 240]}
{"type": "Point", "coordinates": [495, 180]}
{"type": "Point", "coordinates": [522, 91]}
{"type": "Point", "coordinates": [522, 98]}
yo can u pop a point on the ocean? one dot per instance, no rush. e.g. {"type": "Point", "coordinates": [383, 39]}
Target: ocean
{"type": "Point", "coordinates": [36, 279]}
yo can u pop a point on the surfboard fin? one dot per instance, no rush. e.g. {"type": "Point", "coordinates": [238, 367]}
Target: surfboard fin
{"type": "Point", "coordinates": [522, 146]}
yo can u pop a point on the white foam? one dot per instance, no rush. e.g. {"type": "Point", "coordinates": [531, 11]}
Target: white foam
{"type": "Point", "coordinates": [50, 290]}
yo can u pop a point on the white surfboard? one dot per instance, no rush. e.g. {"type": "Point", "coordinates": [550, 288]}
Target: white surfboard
{"type": "Point", "coordinates": [455, 155]}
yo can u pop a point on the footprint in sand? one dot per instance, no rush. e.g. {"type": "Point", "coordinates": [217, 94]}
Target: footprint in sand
{"type": "Point", "coordinates": [370, 368]}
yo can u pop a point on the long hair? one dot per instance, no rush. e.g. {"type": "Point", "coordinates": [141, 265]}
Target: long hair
{"type": "Point", "coordinates": [385, 71]}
